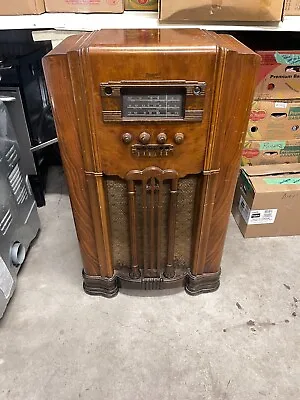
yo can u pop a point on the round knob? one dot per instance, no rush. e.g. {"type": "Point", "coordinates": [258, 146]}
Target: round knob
{"type": "Point", "coordinates": [127, 138]}
{"type": "Point", "coordinates": [144, 137]}
{"type": "Point", "coordinates": [179, 138]}
{"type": "Point", "coordinates": [197, 90]}
{"type": "Point", "coordinates": [161, 138]}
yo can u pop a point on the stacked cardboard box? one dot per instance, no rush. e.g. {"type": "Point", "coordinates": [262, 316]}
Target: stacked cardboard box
{"type": "Point", "coordinates": [220, 10]}
{"type": "Point", "coordinates": [17, 7]}
{"type": "Point", "coordinates": [20, 7]}
{"type": "Point", "coordinates": [266, 200]}
{"type": "Point", "coordinates": [85, 6]}
{"type": "Point", "coordinates": [267, 195]}
{"type": "Point", "coordinates": [141, 5]}
{"type": "Point", "coordinates": [273, 134]}
{"type": "Point", "coordinates": [292, 7]}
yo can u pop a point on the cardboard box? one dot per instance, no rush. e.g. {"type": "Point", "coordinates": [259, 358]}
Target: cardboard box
{"type": "Point", "coordinates": [274, 120]}
{"type": "Point", "coordinates": [279, 75]}
{"type": "Point", "coordinates": [21, 7]}
{"type": "Point", "coordinates": [259, 152]}
{"type": "Point", "coordinates": [220, 10]}
{"type": "Point", "coordinates": [85, 6]}
{"type": "Point", "coordinates": [292, 7]}
{"type": "Point", "coordinates": [266, 201]}
{"type": "Point", "coordinates": [141, 5]}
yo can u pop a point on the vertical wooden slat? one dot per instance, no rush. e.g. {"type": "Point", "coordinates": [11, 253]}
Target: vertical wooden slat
{"type": "Point", "coordinates": [98, 227]}
{"type": "Point", "coordinates": [170, 270]}
{"type": "Point", "coordinates": [209, 185]}
{"type": "Point", "coordinates": [106, 257]}
{"type": "Point", "coordinates": [135, 273]}
{"type": "Point", "coordinates": [145, 224]}
{"type": "Point", "coordinates": [152, 180]}
{"type": "Point", "coordinates": [152, 225]}
{"type": "Point", "coordinates": [159, 226]}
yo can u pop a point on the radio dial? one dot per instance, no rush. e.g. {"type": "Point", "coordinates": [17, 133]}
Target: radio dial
{"type": "Point", "coordinates": [179, 138]}
{"type": "Point", "coordinates": [145, 137]}
{"type": "Point", "coordinates": [161, 138]}
{"type": "Point", "coordinates": [127, 138]}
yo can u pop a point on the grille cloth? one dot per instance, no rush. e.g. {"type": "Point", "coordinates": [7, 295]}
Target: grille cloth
{"type": "Point", "coordinates": [119, 219]}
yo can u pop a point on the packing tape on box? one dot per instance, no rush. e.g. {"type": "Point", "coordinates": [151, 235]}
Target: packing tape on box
{"type": "Point", "coordinates": [282, 181]}
{"type": "Point", "coordinates": [288, 59]}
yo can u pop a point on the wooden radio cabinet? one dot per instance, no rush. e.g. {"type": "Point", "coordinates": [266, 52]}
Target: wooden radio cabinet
{"type": "Point", "coordinates": [151, 125]}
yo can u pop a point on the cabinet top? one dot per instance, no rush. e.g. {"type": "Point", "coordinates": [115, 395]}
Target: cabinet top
{"type": "Point", "coordinates": [190, 39]}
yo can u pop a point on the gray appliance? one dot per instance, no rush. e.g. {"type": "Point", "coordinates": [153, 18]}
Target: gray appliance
{"type": "Point", "coordinates": [22, 80]}
{"type": "Point", "coordinates": [19, 221]}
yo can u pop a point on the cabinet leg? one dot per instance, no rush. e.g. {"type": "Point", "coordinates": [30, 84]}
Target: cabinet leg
{"type": "Point", "coordinates": [205, 283]}
{"type": "Point", "coordinates": [100, 286]}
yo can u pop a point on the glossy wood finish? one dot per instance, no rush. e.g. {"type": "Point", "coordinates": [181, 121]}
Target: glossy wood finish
{"type": "Point", "coordinates": [170, 270]}
{"type": "Point", "coordinates": [133, 229]}
{"type": "Point", "coordinates": [71, 152]}
{"type": "Point", "coordinates": [152, 180]}
{"type": "Point", "coordinates": [93, 149]}
{"type": "Point", "coordinates": [158, 58]}
{"type": "Point", "coordinates": [235, 110]}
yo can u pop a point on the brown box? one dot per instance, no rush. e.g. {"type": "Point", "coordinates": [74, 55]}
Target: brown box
{"type": "Point", "coordinates": [279, 75]}
{"type": "Point", "coordinates": [21, 7]}
{"type": "Point", "coordinates": [220, 10]}
{"type": "Point", "coordinates": [266, 201]}
{"type": "Point", "coordinates": [85, 6]}
{"type": "Point", "coordinates": [141, 5]}
{"type": "Point", "coordinates": [274, 120]}
{"type": "Point", "coordinates": [261, 152]}
{"type": "Point", "coordinates": [292, 7]}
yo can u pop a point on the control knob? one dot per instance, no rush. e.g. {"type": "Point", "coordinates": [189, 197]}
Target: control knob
{"type": "Point", "coordinates": [127, 138]}
{"type": "Point", "coordinates": [161, 138]}
{"type": "Point", "coordinates": [144, 137]}
{"type": "Point", "coordinates": [179, 138]}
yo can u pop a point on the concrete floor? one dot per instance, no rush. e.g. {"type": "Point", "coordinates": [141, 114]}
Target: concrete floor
{"type": "Point", "coordinates": [239, 343]}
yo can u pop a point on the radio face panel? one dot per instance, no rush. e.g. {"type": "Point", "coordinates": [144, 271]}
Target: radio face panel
{"type": "Point", "coordinates": [152, 101]}
{"type": "Point", "coordinates": [127, 96]}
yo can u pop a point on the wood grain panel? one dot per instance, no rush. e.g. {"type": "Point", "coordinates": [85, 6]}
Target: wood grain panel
{"type": "Point", "coordinates": [104, 65]}
{"type": "Point", "coordinates": [92, 148]}
{"type": "Point", "coordinates": [235, 117]}
{"type": "Point", "coordinates": [60, 91]}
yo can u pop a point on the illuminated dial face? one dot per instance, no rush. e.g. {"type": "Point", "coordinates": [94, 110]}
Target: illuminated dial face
{"type": "Point", "coordinates": [153, 105]}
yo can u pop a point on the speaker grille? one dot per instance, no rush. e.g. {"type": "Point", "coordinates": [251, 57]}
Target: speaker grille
{"type": "Point", "coordinates": [118, 212]}
{"type": "Point", "coordinates": [118, 204]}
{"type": "Point", "coordinates": [185, 221]}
